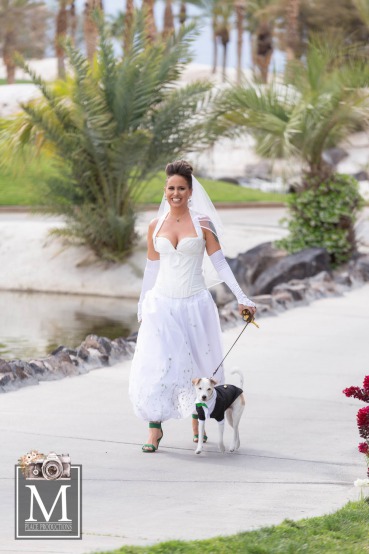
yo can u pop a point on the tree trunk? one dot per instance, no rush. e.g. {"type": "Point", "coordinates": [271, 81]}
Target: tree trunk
{"type": "Point", "coordinates": [182, 13]}
{"type": "Point", "coordinates": [150, 27]}
{"type": "Point", "coordinates": [224, 37]}
{"type": "Point", "coordinates": [8, 55]}
{"type": "Point", "coordinates": [61, 32]}
{"type": "Point", "coordinates": [73, 22]}
{"type": "Point", "coordinates": [215, 44]}
{"type": "Point", "coordinates": [89, 27]}
{"type": "Point", "coordinates": [240, 11]}
{"type": "Point", "coordinates": [264, 49]}
{"type": "Point", "coordinates": [128, 26]}
{"type": "Point", "coordinates": [292, 29]}
{"type": "Point", "coordinates": [168, 19]}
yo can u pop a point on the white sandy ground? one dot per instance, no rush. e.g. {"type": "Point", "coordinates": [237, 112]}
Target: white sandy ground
{"type": "Point", "coordinates": [298, 455]}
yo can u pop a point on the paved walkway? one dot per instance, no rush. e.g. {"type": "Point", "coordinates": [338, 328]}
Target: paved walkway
{"type": "Point", "coordinates": [298, 455]}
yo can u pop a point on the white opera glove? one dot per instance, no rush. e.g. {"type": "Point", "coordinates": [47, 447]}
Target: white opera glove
{"type": "Point", "coordinates": [149, 279]}
{"type": "Point", "coordinates": [225, 273]}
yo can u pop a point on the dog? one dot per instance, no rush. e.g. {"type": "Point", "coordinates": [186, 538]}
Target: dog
{"type": "Point", "coordinates": [213, 401]}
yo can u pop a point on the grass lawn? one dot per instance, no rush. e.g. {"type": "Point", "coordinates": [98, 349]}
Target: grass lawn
{"type": "Point", "coordinates": [344, 532]}
{"type": "Point", "coordinates": [26, 188]}
{"type": "Point", "coordinates": [17, 82]}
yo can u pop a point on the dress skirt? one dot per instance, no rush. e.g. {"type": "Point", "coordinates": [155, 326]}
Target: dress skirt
{"type": "Point", "coordinates": [179, 339]}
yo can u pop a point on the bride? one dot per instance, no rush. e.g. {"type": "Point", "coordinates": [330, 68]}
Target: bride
{"type": "Point", "coordinates": [180, 337]}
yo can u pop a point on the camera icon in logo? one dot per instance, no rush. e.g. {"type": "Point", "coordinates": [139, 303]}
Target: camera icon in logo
{"type": "Point", "coordinates": [50, 467]}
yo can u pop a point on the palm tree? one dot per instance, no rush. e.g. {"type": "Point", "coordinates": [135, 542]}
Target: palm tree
{"type": "Point", "coordinates": [61, 32]}
{"type": "Point", "coordinates": [90, 27]}
{"type": "Point", "coordinates": [292, 28]}
{"type": "Point", "coordinates": [239, 6]}
{"type": "Point", "coordinates": [260, 25]}
{"type": "Point", "coordinates": [128, 25]}
{"type": "Point", "coordinates": [22, 29]}
{"type": "Point", "coordinates": [326, 102]}
{"type": "Point", "coordinates": [111, 128]}
{"type": "Point", "coordinates": [168, 19]}
{"type": "Point", "coordinates": [150, 27]}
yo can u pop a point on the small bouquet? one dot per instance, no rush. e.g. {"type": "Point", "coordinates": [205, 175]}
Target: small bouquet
{"type": "Point", "coordinates": [30, 458]}
{"type": "Point", "coordinates": [362, 419]}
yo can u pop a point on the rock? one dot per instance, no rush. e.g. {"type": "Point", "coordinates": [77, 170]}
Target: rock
{"type": "Point", "coordinates": [230, 180]}
{"type": "Point", "coordinates": [344, 279]}
{"type": "Point", "coordinates": [297, 289]}
{"type": "Point", "coordinates": [4, 366]}
{"type": "Point", "coordinates": [261, 170]}
{"type": "Point", "coordinates": [264, 299]}
{"type": "Point", "coordinates": [82, 353]}
{"type": "Point", "coordinates": [333, 156]}
{"type": "Point", "coordinates": [248, 266]}
{"type": "Point", "coordinates": [283, 298]}
{"type": "Point", "coordinates": [362, 267]}
{"type": "Point", "coordinates": [305, 263]}
{"type": "Point", "coordinates": [361, 176]}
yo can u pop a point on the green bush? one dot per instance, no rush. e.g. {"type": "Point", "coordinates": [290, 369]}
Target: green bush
{"type": "Point", "coordinates": [323, 215]}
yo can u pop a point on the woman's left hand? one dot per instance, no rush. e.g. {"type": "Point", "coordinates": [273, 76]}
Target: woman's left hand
{"type": "Point", "coordinates": [250, 309]}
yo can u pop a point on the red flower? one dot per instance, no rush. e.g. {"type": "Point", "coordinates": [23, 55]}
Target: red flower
{"type": "Point", "coordinates": [357, 392]}
{"type": "Point", "coordinates": [363, 447]}
{"type": "Point", "coordinates": [363, 422]}
{"type": "Point", "coordinates": [366, 383]}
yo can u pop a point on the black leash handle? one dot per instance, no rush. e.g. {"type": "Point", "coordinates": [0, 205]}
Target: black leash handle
{"type": "Point", "coordinates": [249, 318]}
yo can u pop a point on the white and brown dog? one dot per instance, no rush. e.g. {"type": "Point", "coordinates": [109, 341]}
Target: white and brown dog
{"type": "Point", "coordinates": [215, 401]}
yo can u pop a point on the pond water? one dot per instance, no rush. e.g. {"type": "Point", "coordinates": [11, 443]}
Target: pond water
{"type": "Point", "coordinates": [34, 324]}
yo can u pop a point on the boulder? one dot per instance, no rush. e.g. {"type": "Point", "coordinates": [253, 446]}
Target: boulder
{"type": "Point", "coordinates": [305, 263]}
{"type": "Point", "coordinates": [247, 267]}
{"type": "Point", "coordinates": [362, 267]}
{"type": "Point", "coordinates": [333, 156]}
{"type": "Point", "coordinates": [295, 288]}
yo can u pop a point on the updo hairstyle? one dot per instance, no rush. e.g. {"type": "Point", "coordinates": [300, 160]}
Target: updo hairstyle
{"type": "Point", "coordinates": [182, 168]}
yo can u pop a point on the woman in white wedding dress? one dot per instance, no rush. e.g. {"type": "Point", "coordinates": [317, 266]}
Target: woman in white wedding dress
{"type": "Point", "coordinates": [180, 337]}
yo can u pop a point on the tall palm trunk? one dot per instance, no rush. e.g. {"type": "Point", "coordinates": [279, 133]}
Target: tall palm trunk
{"type": "Point", "coordinates": [61, 32]}
{"type": "Point", "coordinates": [89, 27]}
{"type": "Point", "coordinates": [148, 6]}
{"type": "Point", "coordinates": [240, 11]}
{"type": "Point", "coordinates": [224, 38]}
{"type": "Point", "coordinates": [182, 13]}
{"type": "Point", "coordinates": [215, 43]}
{"type": "Point", "coordinates": [73, 22]}
{"type": "Point", "coordinates": [264, 49]}
{"type": "Point", "coordinates": [292, 29]}
{"type": "Point", "coordinates": [8, 54]}
{"type": "Point", "coordinates": [168, 19]}
{"type": "Point", "coordinates": [128, 26]}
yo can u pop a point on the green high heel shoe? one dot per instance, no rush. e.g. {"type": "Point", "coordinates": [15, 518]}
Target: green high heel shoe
{"type": "Point", "coordinates": [152, 446]}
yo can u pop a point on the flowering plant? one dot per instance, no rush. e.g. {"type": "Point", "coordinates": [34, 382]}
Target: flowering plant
{"type": "Point", "coordinates": [30, 458]}
{"type": "Point", "coordinates": [362, 417]}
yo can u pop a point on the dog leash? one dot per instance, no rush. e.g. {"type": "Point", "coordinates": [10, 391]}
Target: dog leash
{"type": "Point", "coordinates": [249, 318]}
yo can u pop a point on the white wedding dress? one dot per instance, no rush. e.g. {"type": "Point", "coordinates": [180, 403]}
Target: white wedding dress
{"type": "Point", "coordinates": [180, 336]}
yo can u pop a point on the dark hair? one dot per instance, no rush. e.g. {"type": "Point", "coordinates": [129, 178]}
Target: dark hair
{"type": "Point", "coordinates": [182, 168]}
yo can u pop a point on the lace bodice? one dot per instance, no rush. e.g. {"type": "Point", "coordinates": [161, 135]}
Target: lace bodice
{"type": "Point", "coordinates": [180, 274]}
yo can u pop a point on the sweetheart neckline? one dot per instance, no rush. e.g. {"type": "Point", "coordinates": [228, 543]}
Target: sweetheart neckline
{"type": "Point", "coordinates": [178, 243]}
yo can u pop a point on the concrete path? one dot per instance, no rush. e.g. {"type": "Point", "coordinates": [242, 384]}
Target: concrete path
{"type": "Point", "coordinates": [298, 455]}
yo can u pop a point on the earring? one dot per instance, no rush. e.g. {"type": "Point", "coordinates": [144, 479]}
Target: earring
{"type": "Point", "coordinates": [189, 200]}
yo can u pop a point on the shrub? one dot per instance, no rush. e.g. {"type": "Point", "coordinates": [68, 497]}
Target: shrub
{"type": "Point", "coordinates": [323, 214]}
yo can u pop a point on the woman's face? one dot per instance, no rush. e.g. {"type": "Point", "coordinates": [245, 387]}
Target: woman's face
{"type": "Point", "coordinates": [177, 190]}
